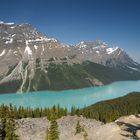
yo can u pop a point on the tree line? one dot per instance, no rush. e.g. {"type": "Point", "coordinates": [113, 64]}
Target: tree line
{"type": "Point", "coordinates": [105, 111]}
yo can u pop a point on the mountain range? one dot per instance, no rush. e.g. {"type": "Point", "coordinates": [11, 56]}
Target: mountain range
{"type": "Point", "coordinates": [31, 61]}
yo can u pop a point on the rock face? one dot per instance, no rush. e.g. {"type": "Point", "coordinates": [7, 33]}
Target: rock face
{"type": "Point", "coordinates": [25, 53]}
{"type": "Point", "coordinates": [124, 128]}
{"type": "Point", "coordinates": [100, 52]}
{"type": "Point", "coordinates": [22, 41]}
{"type": "Point", "coordinates": [32, 129]}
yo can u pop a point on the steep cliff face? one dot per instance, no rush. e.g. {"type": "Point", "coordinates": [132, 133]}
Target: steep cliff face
{"type": "Point", "coordinates": [27, 59]}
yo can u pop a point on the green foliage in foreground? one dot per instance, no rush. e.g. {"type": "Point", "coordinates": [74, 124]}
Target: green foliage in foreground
{"type": "Point", "coordinates": [105, 111]}
{"type": "Point", "coordinates": [53, 133]}
{"type": "Point", "coordinates": [7, 126]}
{"type": "Point", "coordinates": [8, 114]}
{"type": "Point", "coordinates": [22, 112]}
{"type": "Point", "coordinates": [78, 128]}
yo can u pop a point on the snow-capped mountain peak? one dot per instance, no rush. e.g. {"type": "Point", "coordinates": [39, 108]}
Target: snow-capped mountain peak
{"type": "Point", "coordinates": [24, 51]}
{"type": "Point", "coordinates": [8, 23]}
{"type": "Point", "coordinates": [26, 40]}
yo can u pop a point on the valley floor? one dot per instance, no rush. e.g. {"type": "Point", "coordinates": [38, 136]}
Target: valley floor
{"type": "Point", "coordinates": [124, 128]}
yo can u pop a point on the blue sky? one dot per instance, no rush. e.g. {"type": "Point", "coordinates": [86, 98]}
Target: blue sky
{"type": "Point", "coordinates": [117, 22]}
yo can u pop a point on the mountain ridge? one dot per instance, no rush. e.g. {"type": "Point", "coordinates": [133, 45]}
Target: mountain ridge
{"type": "Point", "coordinates": [26, 56]}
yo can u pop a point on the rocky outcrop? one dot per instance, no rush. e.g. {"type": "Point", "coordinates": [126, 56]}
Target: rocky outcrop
{"type": "Point", "coordinates": [127, 128]}
{"type": "Point", "coordinates": [32, 129]}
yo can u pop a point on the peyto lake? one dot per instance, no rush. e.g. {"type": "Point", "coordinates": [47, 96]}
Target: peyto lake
{"type": "Point", "coordinates": [69, 98]}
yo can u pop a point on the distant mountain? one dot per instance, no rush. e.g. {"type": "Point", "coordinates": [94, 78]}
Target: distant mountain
{"type": "Point", "coordinates": [31, 61]}
{"type": "Point", "coordinates": [99, 52]}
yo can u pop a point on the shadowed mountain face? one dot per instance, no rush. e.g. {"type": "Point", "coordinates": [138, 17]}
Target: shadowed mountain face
{"type": "Point", "coordinates": [31, 61]}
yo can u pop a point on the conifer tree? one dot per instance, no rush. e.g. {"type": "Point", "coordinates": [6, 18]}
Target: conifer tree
{"type": "Point", "coordinates": [73, 111]}
{"type": "Point", "coordinates": [10, 125]}
{"type": "Point", "coordinates": [3, 112]}
{"type": "Point", "coordinates": [78, 128]}
{"type": "Point", "coordinates": [53, 131]}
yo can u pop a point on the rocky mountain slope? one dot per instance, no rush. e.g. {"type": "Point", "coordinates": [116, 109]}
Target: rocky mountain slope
{"type": "Point", "coordinates": [127, 128]}
{"type": "Point", "coordinates": [27, 59]}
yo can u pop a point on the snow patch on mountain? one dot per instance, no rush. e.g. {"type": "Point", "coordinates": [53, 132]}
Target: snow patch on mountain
{"type": "Point", "coordinates": [35, 46]}
{"type": "Point", "coordinates": [81, 45]}
{"type": "Point", "coordinates": [9, 41]}
{"type": "Point", "coordinates": [119, 52]}
{"type": "Point", "coordinates": [13, 35]}
{"type": "Point", "coordinates": [133, 68]}
{"type": "Point", "coordinates": [12, 27]}
{"type": "Point", "coordinates": [3, 52]}
{"type": "Point", "coordinates": [97, 52]}
{"type": "Point", "coordinates": [28, 49]}
{"type": "Point", "coordinates": [111, 50]}
{"type": "Point", "coordinates": [103, 46]}
{"type": "Point", "coordinates": [41, 39]}
{"type": "Point", "coordinates": [9, 23]}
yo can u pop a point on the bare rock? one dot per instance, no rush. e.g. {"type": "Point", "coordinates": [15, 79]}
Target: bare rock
{"type": "Point", "coordinates": [138, 134]}
{"type": "Point", "coordinates": [32, 128]}
{"type": "Point", "coordinates": [126, 128]}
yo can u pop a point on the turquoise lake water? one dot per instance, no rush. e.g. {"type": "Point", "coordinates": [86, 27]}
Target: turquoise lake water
{"type": "Point", "coordinates": [68, 98]}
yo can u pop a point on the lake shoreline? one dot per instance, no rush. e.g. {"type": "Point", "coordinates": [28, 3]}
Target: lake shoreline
{"type": "Point", "coordinates": [68, 89]}
{"type": "Point", "coordinates": [68, 98]}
